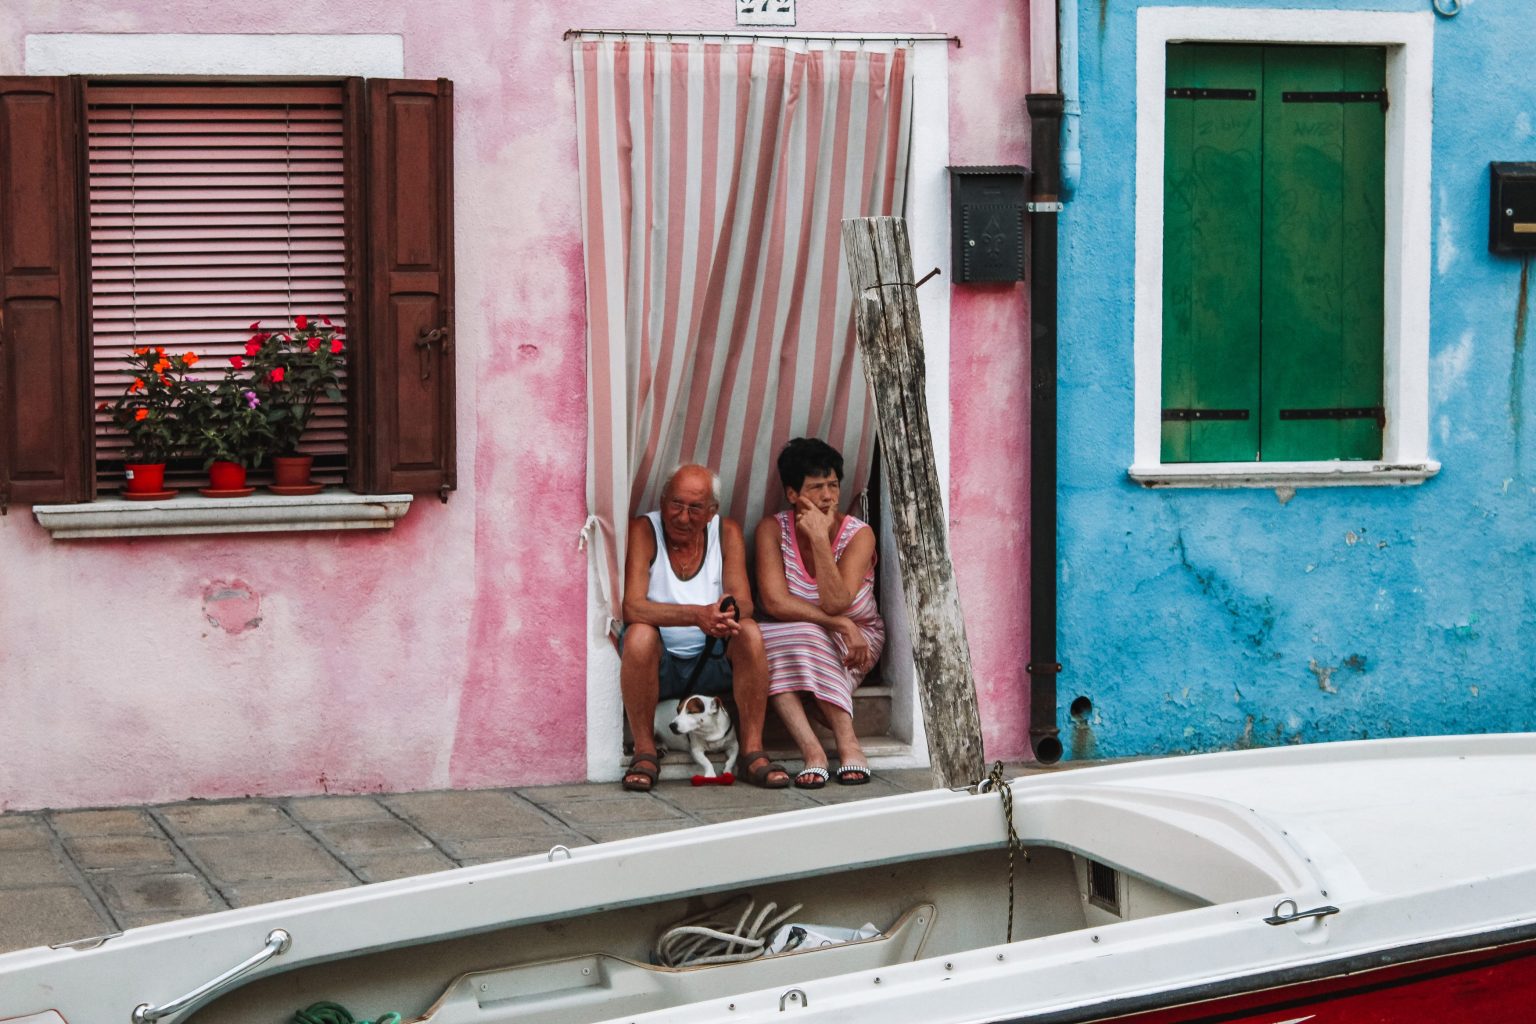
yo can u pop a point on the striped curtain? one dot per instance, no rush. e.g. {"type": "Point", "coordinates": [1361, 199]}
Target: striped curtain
{"type": "Point", "coordinates": [715, 178]}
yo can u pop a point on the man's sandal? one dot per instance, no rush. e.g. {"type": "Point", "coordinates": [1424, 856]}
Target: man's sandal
{"type": "Point", "coordinates": [757, 766]}
{"type": "Point", "coordinates": [812, 778]}
{"type": "Point", "coordinates": [853, 775]}
{"type": "Point", "coordinates": [647, 776]}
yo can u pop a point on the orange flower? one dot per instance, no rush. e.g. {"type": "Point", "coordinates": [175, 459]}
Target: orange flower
{"type": "Point", "coordinates": [141, 351]}
{"type": "Point", "coordinates": [141, 414]}
{"type": "Point", "coordinates": [160, 351]}
{"type": "Point", "coordinates": [137, 385]}
{"type": "Point", "coordinates": [190, 358]}
{"type": "Point", "coordinates": [161, 366]}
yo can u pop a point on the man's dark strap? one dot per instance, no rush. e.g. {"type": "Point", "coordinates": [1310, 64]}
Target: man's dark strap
{"type": "Point", "coordinates": [728, 604]}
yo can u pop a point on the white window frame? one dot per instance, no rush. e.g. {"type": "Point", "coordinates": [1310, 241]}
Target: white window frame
{"type": "Point", "coordinates": [928, 234]}
{"type": "Point", "coordinates": [1409, 42]}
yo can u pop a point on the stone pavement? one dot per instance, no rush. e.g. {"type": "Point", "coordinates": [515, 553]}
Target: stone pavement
{"type": "Point", "coordinates": [67, 875]}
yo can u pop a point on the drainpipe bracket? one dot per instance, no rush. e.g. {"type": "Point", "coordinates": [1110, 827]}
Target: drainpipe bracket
{"type": "Point", "coordinates": [1042, 670]}
{"type": "Point", "coordinates": [1044, 207]}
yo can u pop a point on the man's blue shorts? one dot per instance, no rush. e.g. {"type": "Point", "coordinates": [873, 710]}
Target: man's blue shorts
{"type": "Point", "coordinates": [714, 677]}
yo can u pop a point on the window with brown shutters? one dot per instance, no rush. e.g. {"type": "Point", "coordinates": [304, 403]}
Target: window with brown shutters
{"type": "Point", "coordinates": [178, 213]}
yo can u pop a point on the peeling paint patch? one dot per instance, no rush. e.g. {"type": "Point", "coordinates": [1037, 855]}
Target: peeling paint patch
{"type": "Point", "coordinates": [233, 607]}
{"type": "Point", "coordinates": [1254, 620]}
{"type": "Point", "coordinates": [1450, 366]}
{"type": "Point", "coordinates": [1355, 663]}
{"type": "Point", "coordinates": [1324, 675]}
{"type": "Point", "coordinates": [1445, 237]}
{"type": "Point", "coordinates": [1351, 538]}
{"type": "Point", "coordinates": [1285, 494]}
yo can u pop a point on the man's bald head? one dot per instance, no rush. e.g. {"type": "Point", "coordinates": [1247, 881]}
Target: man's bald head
{"type": "Point", "coordinates": [690, 476]}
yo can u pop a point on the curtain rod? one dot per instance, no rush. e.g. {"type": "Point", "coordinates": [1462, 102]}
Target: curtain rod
{"type": "Point", "coordinates": [744, 34]}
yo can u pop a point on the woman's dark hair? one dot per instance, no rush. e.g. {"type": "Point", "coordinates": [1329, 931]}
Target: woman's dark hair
{"type": "Point", "coordinates": [808, 456]}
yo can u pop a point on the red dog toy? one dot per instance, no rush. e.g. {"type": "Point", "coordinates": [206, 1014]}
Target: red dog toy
{"type": "Point", "coordinates": [723, 779]}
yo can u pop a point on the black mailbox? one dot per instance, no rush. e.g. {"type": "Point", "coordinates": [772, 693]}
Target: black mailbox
{"type": "Point", "coordinates": [1512, 207]}
{"type": "Point", "coordinates": [986, 209]}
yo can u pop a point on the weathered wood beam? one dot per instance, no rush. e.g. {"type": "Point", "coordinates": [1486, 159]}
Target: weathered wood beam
{"type": "Point", "coordinates": [891, 341]}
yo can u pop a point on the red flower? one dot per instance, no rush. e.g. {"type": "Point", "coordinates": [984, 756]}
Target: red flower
{"type": "Point", "coordinates": [335, 345]}
{"type": "Point", "coordinates": [313, 344]}
{"type": "Point", "coordinates": [141, 414]}
{"type": "Point", "coordinates": [190, 358]}
{"type": "Point", "coordinates": [102, 406]}
{"type": "Point", "coordinates": [137, 385]}
{"type": "Point", "coordinates": [237, 362]}
{"type": "Point", "coordinates": [326, 320]}
{"type": "Point", "coordinates": [166, 380]}
{"type": "Point", "coordinates": [277, 375]}
{"type": "Point", "coordinates": [252, 347]}
{"type": "Point", "coordinates": [256, 325]}
{"type": "Point", "coordinates": [301, 322]}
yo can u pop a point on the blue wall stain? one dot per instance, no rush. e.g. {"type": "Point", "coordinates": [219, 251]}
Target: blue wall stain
{"type": "Point", "coordinates": [1208, 619]}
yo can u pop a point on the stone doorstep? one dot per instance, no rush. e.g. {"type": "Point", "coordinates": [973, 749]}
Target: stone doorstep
{"type": "Point", "coordinates": [679, 766]}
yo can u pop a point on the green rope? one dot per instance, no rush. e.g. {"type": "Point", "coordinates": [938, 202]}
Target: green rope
{"type": "Point", "coordinates": [335, 1013]}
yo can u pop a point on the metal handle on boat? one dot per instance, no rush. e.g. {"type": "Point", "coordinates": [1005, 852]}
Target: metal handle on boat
{"type": "Point", "coordinates": [277, 944]}
{"type": "Point", "coordinates": [1296, 913]}
{"type": "Point", "coordinates": [794, 993]}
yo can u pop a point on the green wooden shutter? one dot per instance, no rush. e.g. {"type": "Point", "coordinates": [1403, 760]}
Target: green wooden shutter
{"type": "Point", "coordinates": [1324, 152]}
{"type": "Point", "coordinates": [1211, 254]}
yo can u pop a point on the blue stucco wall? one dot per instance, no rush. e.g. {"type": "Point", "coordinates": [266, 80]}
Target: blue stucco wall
{"type": "Point", "coordinates": [1207, 619]}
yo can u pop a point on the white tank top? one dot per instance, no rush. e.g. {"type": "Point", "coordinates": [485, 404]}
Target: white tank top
{"type": "Point", "coordinates": [704, 587]}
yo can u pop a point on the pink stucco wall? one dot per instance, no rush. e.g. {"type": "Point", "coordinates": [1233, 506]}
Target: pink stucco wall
{"type": "Point", "coordinates": [449, 652]}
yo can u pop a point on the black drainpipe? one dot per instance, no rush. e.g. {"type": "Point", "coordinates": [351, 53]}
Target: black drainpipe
{"type": "Point", "coordinates": [1045, 204]}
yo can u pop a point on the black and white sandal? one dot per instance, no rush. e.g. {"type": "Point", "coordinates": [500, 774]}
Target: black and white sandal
{"type": "Point", "coordinates": [812, 778]}
{"type": "Point", "coordinates": [853, 775]}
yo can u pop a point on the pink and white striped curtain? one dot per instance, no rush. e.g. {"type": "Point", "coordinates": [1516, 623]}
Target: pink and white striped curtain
{"type": "Point", "coordinates": [715, 179]}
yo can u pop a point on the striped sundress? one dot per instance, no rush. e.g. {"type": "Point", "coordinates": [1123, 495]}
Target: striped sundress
{"type": "Point", "coordinates": [803, 655]}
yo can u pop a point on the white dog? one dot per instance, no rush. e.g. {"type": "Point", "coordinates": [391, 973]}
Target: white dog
{"type": "Point", "coordinates": [702, 726]}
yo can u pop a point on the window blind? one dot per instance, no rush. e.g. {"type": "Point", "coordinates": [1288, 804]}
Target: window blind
{"type": "Point", "coordinates": [212, 207]}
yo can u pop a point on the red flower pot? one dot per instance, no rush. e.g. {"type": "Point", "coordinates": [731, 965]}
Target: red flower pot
{"type": "Point", "coordinates": [145, 478]}
{"type": "Point", "coordinates": [226, 476]}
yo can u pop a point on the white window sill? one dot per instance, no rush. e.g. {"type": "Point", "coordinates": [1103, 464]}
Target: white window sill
{"type": "Point", "coordinates": [190, 513]}
{"type": "Point", "coordinates": [1282, 474]}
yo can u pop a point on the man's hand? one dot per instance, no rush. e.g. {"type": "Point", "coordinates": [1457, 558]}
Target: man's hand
{"type": "Point", "coordinates": [856, 654]}
{"type": "Point", "coordinates": [715, 622]}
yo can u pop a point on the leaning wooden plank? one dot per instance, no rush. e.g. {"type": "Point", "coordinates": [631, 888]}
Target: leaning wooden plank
{"type": "Point", "coordinates": [891, 340]}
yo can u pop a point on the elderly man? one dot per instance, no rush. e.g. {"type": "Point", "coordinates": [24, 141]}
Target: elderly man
{"type": "Point", "coordinates": [683, 561]}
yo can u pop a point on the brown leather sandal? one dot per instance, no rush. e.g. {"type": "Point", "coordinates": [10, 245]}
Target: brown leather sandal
{"type": "Point", "coordinates": [649, 775]}
{"type": "Point", "coordinates": [757, 766]}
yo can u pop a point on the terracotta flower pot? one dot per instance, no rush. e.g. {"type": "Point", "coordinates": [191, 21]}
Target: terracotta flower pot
{"type": "Point", "coordinates": [226, 477]}
{"type": "Point", "coordinates": [290, 475]}
{"type": "Point", "coordinates": [291, 470]}
{"type": "Point", "coordinates": [145, 477]}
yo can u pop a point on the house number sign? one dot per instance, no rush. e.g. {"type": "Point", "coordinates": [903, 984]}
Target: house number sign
{"type": "Point", "coordinates": [765, 12]}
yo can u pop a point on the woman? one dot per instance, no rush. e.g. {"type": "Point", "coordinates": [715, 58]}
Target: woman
{"type": "Point", "coordinates": [816, 577]}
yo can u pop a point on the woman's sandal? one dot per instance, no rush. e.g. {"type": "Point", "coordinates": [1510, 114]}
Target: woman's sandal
{"type": "Point", "coordinates": [756, 766]}
{"type": "Point", "coordinates": [853, 775]}
{"type": "Point", "coordinates": [649, 775]}
{"type": "Point", "coordinates": [812, 778]}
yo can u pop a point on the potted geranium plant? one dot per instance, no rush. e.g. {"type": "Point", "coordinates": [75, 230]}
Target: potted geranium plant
{"type": "Point", "coordinates": [229, 429]}
{"type": "Point", "coordinates": [293, 369]}
{"type": "Point", "coordinates": [151, 411]}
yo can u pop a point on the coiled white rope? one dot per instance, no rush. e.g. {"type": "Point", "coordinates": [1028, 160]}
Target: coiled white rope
{"type": "Point", "coordinates": [697, 941]}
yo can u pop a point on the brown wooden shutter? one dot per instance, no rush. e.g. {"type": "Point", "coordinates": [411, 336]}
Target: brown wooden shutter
{"type": "Point", "coordinates": [409, 406]}
{"type": "Point", "coordinates": [44, 427]}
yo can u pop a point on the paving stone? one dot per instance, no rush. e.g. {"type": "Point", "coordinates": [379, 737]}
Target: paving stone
{"type": "Point", "coordinates": [32, 867]}
{"type": "Point", "coordinates": [701, 798]}
{"type": "Point", "coordinates": [37, 917]}
{"type": "Point", "coordinates": [114, 822]}
{"type": "Point", "coordinates": [249, 894]}
{"type": "Point", "coordinates": [737, 812]}
{"type": "Point", "coordinates": [29, 835]}
{"type": "Point", "coordinates": [915, 780]}
{"type": "Point", "coordinates": [832, 793]}
{"type": "Point", "coordinates": [479, 851]}
{"type": "Point", "coordinates": [272, 856]}
{"type": "Point", "coordinates": [318, 810]}
{"type": "Point", "coordinates": [359, 838]}
{"type": "Point", "coordinates": [178, 894]}
{"type": "Point", "coordinates": [148, 917]}
{"type": "Point", "coordinates": [473, 814]}
{"type": "Point", "coordinates": [97, 853]}
{"type": "Point", "coordinates": [217, 819]}
{"type": "Point", "coordinates": [629, 830]}
{"type": "Point", "coordinates": [630, 807]}
{"type": "Point", "coordinates": [574, 791]}
{"type": "Point", "coordinates": [388, 866]}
